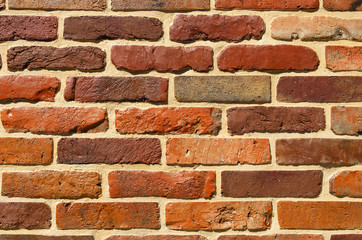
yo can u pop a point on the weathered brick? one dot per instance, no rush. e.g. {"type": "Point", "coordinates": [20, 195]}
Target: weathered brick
{"type": "Point", "coordinates": [54, 120]}
{"type": "Point", "coordinates": [271, 183]}
{"type": "Point", "coordinates": [28, 88]}
{"type": "Point", "coordinates": [273, 237]}
{"type": "Point", "coordinates": [320, 215]}
{"type": "Point", "coordinates": [342, 5]}
{"type": "Point", "coordinates": [164, 5]}
{"type": "Point", "coordinates": [347, 237]}
{"type": "Point", "coordinates": [317, 151]}
{"type": "Point", "coordinates": [158, 237]}
{"type": "Point", "coordinates": [189, 28]}
{"type": "Point", "coordinates": [31, 28]}
{"type": "Point", "coordinates": [109, 27]}
{"type": "Point", "coordinates": [94, 5]}
{"type": "Point", "coordinates": [44, 237]}
{"type": "Point", "coordinates": [341, 58]}
{"type": "Point", "coordinates": [267, 58]}
{"type": "Point", "coordinates": [162, 59]}
{"type": "Point", "coordinates": [190, 151]}
{"type": "Point", "coordinates": [243, 120]}
{"type": "Point", "coordinates": [347, 120]}
{"type": "Point", "coordinates": [51, 184]}
{"type": "Point", "coordinates": [169, 120]}
{"type": "Point", "coordinates": [120, 89]}
{"type": "Point", "coordinates": [23, 215]}
{"type": "Point", "coordinates": [320, 89]}
{"type": "Point", "coordinates": [314, 28]}
{"type": "Point", "coordinates": [218, 216]}
{"type": "Point", "coordinates": [51, 58]}
{"type": "Point", "coordinates": [185, 184]}
{"type": "Point", "coordinates": [238, 89]}
{"type": "Point", "coordinates": [346, 184]}
{"type": "Point", "coordinates": [268, 4]}
{"type": "Point", "coordinates": [108, 215]}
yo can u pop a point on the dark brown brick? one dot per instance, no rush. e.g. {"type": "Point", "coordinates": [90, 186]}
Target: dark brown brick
{"type": "Point", "coordinates": [43, 237]}
{"type": "Point", "coordinates": [347, 237]}
{"type": "Point", "coordinates": [94, 5]}
{"type": "Point", "coordinates": [164, 5]}
{"type": "Point", "coordinates": [347, 120]}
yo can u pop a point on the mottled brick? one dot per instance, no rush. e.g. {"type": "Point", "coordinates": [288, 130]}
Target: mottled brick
{"type": "Point", "coordinates": [347, 237]}
{"type": "Point", "coordinates": [346, 184]}
{"type": "Point", "coordinates": [273, 237]}
{"type": "Point", "coordinates": [342, 5]}
{"type": "Point", "coordinates": [94, 5]}
{"type": "Point", "coordinates": [341, 58]}
{"type": "Point", "coordinates": [44, 237]}
{"type": "Point", "coordinates": [268, 4]}
{"type": "Point", "coordinates": [162, 5]}
{"type": "Point", "coordinates": [347, 120]}
{"type": "Point", "coordinates": [158, 237]}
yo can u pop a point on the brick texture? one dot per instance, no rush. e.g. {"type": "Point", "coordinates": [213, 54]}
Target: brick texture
{"type": "Point", "coordinates": [158, 237]}
{"type": "Point", "coordinates": [340, 58]}
{"type": "Point", "coordinates": [165, 5]}
{"type": "Point", "coordinates": [95, 5]}
{"type": "Point", "coordinates": [268, 5]}
{"type": "Point", "coordinates": [44, 237]}
{"type": "Point", "coordinates": [347, 120]}
{"type": "Point", "coordinates": [347, 237]}
{"type": "Point", "coordinates": [342, 5]}
{"type": "Point", "coordinates": [346, 184]}
{"type": "Point", "coordinates": [273, 237]}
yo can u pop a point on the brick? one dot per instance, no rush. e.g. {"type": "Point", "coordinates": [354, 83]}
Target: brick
{"type": "Point", "coordinates": [190, 28]}
{"type": "Point", "coordinates": [185, 184]}
{"type": "Point", "coordinates": [267, 58]}
{"type": "Point", "coordinates": [162, 59]}
{"type": "Point", "coordinates": [347, 120]}
{"type": "Point", "coordinates": [268, 4]}
{"type": "Point", "coordinates": [218, 216]}
{"type": "Point", "coordinates": [273, 237]}
{"type": "Point", "coordinates": [43, 237]}
{"type": "Point", "coordinates": [340, 58]}
{"type": "Point", "coordinates": [2, 3]}
{"type": "Point", "coordinates": [316, 28]}
{"type": "Point", "coordinates": [346, 184]}
{"type": "Point", "coordinates": [23, 215]}
{"type": "Point", "coordinates": [119, 89]}
{"type": "Point", "coordinates": [26, 151]}
{"type": "Point", "coordinates": [347, 237]}
{"type": "Point", "coordinates": [54, 120]}
{"type": "Point", "coordinates": [342, 5]}
{"type": "Point", "coordinates": [31, 28]}
{"type": "Point", "coordinates": [320, 89]}
{"type": "Point", "coordinates": [107, 27]}
{"type": "Point", "coordinates": [271, 183]}
{"type": "Point", "coordinates": [158, 237]}
{"type": "Point", "coordinates": [223, 151]}
{"type": "Point", "coordinates": [169, 120]}
{"type": "Point", "coordinates": [94, 5]}
{"type": "Point", "coordinates": [320, 215]}
{"type": "Point", "coordinates": [51, 184]}
{"type": "Point", "coordinates": [109, 151]}
{"type": "Point", "coordinates": [28, 88]}
{"type": "Point", "coordinates": [243, 120]}
{"type": "Point", "coordinates": [318, 151]}
{"type": "Point", "coordinates": [164, 5]}
{"type": "Point", "coordinates": [51, 58]}
{"type": "Point", "coordinates": [109, 215]}
{"type": "Point", "coordinates": [223, 89]}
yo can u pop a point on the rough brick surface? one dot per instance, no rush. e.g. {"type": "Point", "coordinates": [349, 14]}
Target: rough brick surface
{"type": "Point", "coordinates": [23, 215]}
{"type": "Point", "coordinates": [218, 215]}
{"type": "Point", "coordinates": [190, 151]}
{"type": "Point", "coordinates": [224, 89]}
{"type": "Point", "coordinates": [189, 28]}
{"type": "Point", "coordinates": [51, 58]}
{"type": "Point", "coordinates": [108, 215]}
{"type": "Point", "coordinates": [317, 151]}
{"type": "Point", "coordinates": [347, 120]}
{"type": "Point", "coordinates": [162, 59]}
{"type": "Point", "coordinates": [347, 237]}
{"type": "Point", "coordinates": [342, 5]}
{"type": "Point", "coordinates": [268, 4]}
{"type": "Point", "coordinates": [120, 89]}
{"type": "Point", "coordinates": [340, 58]}
{"type": "Point", "coordinates": [320, 215]}
{"type": "Point", "coordinates": [95, 5]}
{"type": "Point", "coordinates": [275, 119]}
{"type": "Point", "coordinates": [102, 27]}
{"type": "Point", "coordinates": [51, 184]}
{"type": "Point", "coordinates": [185, 184]}
{"type": "Point", "coordinates": [346, 184]}
{"type": "Point", "coordinates": [169, 120]}
{"type": "Point", "coordinates": [43, 237]}
{"type": "Point", "coordinates": [158, 237]}
{"type": "Point", "coordinates": [273, 237]}
{"type": "Point", "coordinates": [109, 151]}
{"type": "Point", "coordinates": [31, 28]}
{"type": "Point", "coordinates": [267, 58]}
{"type": "Point", "coordinates": [163, 5]}
{"type": "Point", "coordinates": [320, 89]}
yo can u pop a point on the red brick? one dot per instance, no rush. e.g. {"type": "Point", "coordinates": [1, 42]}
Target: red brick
{"type": "Point", "coordinates": [340, 58]}
{"type": "Point", "coordinates": [169, 120]}
{"type": "Point", "coordinates": [43, 237]}
{"type": "Point", "coordinates": [222, 151]}
{"type": "Point", "coordinates": [347, 120]}
{"type": "Point", "coordinates": [31, 28]}
{"type": "Point", "coordinates": [120, 89]}
{"type": "Point", "coordinates": [94, 5]}
{"type": "Point", "coordinates": [347, 237]}
{"type": "Point", "coordinates": [158, 237]}
{"type": "Point", "coordinates": [162, 59]}
{"type": "Point", "coordinates": [346, 184]}
{"type": "Point", "coordinates": [189, 28]}
{"type": "Point", "coordinates": [51, 184]}
{"type": "Point", "coordinates": [320, 215]}
{"type": "Point", "coordinates": [185, 184]}
{"type": "Point", "coordinates": [108, 215]}
{"type": "Point", "coordinates": [273, 237]}
{"type": "Point", "coordinates": [268, 4]}
{"type": "Point", "coordinates": [28, 88]}
{"type": "Point", "coordinates": [267, 58]}
{"type": "Point", "coordinates": [165, 5]}
{"type": "Point", "coordinates": [317, 151]}
{"type": "Point", "coordinates": [54, 120]}
{"type": "Point", "coordinates": [26, 151]}
{"type": "Point", "coordinates": [23, 215]}
{"type": "Point", "coordinates": [275, 119]}
{"type": "Point", "coordinates": [218, 216]}
{"type": "Point", "coordinates": [342, 5]}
